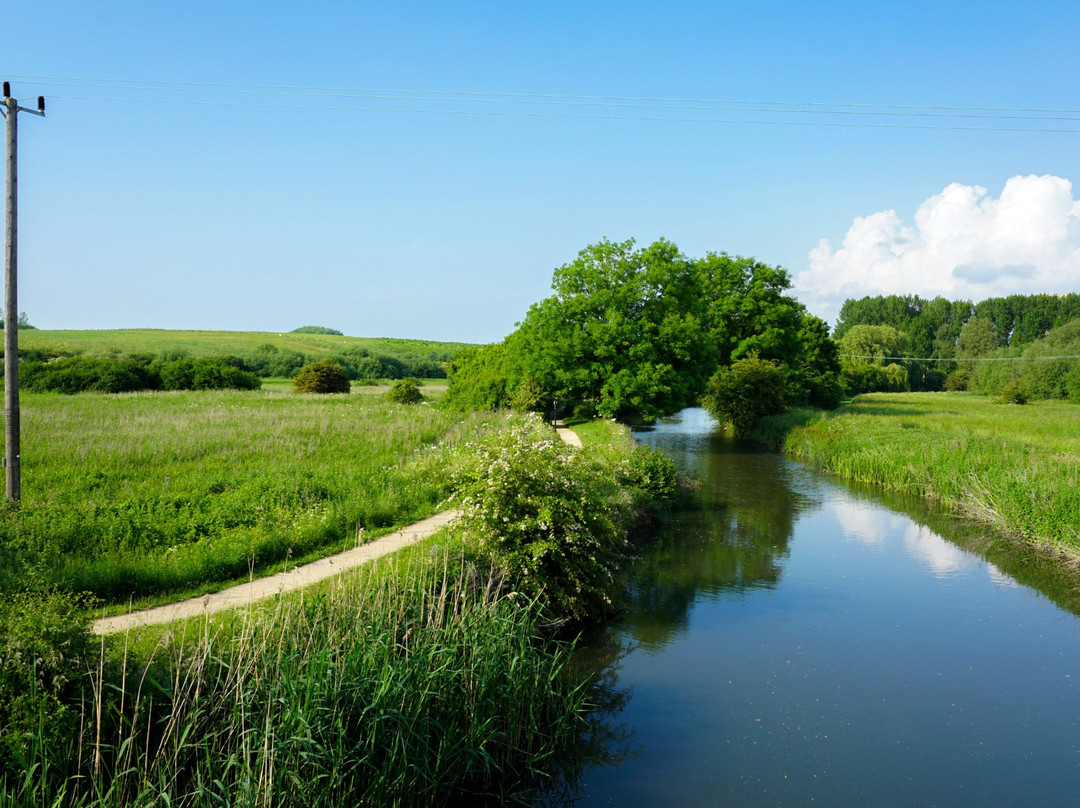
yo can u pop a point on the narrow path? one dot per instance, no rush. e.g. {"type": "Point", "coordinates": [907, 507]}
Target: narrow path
{"type": "Point", "coordinates": [244, 594]}
{"type": "Point", "coordinates": [567, 434]}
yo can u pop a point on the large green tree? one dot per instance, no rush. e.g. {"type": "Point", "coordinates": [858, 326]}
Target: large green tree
{"type": "Point", "coordinates": [624, 330]}
{"type": "Point", "coordinates": [748, 310]}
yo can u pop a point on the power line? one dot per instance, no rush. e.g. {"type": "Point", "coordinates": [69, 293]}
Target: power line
{"type": "Point", "coordinates": [190, 86]}
{"type": "Point", "coordinates": [652, 104]}
{"type": "Point", "coordinates": [594, 117]}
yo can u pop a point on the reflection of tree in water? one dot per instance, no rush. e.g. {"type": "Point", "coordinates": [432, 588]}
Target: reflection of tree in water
{"type": "Point", "coordinates": [604, 740]}
{"type": "Point", "coordinates": [733, 539]}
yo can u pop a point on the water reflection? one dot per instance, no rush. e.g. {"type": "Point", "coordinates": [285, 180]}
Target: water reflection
{"type": "Point", "coordinates": [788, 639]}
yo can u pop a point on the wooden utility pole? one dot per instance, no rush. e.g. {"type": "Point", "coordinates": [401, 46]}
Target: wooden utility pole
{"type": "Point", "coordinates": [12, 477]}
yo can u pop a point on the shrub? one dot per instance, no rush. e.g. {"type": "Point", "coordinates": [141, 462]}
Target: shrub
{"type": "Point", "coordinates": [548, 516]}
{"type": "Point", "coordinates": [323, 376]}
{"type": "Point", "coordinates": [1014, 391]}
{"type": "Point", "coordinates": [316, 329]}
{"type": "Point", "coordinates": [405, 391]}
{"type": "Point", "coordinates": [824, 390]}
{"type": "Point", "coordinates": [79, 374]}
{"type": "Point", "coordinates": [207, 373]}
{"type": "Point", "coordinates": [745, 392]}
{"type": "Point", "coordinates": [44, 645]}
{"type": "Point", "coordinates": [958, 380]}
{"type": "Point", "coordinates": [529, 396]}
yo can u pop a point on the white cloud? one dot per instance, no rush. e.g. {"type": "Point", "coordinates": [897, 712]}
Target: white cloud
{"type": "Point", "coordinates": [964, 244]}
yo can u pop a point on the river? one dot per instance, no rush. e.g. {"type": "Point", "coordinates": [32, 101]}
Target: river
{"type": "Point", "coordinates": [794, 640]}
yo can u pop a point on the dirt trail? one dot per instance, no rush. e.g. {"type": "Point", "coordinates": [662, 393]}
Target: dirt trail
{"type": "Point", "coordinates": [243, 594]}
{"type": "Point", "coordinates": [304, 575]}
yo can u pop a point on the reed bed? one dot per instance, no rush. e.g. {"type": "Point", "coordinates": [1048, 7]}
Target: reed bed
{"type": "Point", "coordinates": [1016, 467]}
{"type": "Point", "coordinates": [415, 682]}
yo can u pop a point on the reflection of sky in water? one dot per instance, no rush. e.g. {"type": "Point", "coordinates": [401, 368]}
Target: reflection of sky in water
{"type": "Point", "coordinates": [869, 524]}
{"type": "Point", "coordinates": [792, 641]}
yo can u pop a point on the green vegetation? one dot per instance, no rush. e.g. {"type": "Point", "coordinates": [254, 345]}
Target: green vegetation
{"type": "Point", "coordinates": [417, 681]}
{"type": "Point", "coordinates": [81, 374]}
{"type": "Point", "coordinates": [323, 376]}
{"type": "Point", "coordinates": [264, 354]}
{"type": "Point", "coordinates": [22, 322]}
{"type": "Point", "coordinates": [146, 494]}
{"type": "Point", "coordinates": [405, 391]}
{"type": "Point", "coordinates": [429, 678]}
{"type": "Point", "coordinates": [316, 329]}
{"type": "Point", "coordinates": [944, 331]}
{"type": "Point", "coordinates": [746, 392]}
{"type": "Point", "coordinates": [557, 521]}
{"type": "Point", "coordinates": [638, 332]}
{"type": "Point", "coordinates": [1017, 468]}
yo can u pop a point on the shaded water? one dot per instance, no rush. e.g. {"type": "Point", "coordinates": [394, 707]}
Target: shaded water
{"type": "Point", "coordinates": [793, 640]}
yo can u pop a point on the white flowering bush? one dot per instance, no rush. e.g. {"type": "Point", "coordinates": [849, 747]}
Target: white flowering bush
{"type": "Point", "coordinates": [553, 519]}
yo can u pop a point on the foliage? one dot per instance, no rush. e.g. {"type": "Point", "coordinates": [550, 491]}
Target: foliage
{"type": "Point", "coordinates": [1014, 391]}
{"type": "Point", "coordinates": [748, 310]}
{"type": "Point", "coordinates": [479, 378]}
{"type": "Point", "coordinates": [977, 338]}
{"type": "Point", "coordinates": [529, 396]}
{"type": "Point", "coordinates": [745, 392]}
{"type": "Point", "coordinates": [80, 374]}
{"type": "Point", "coordinates": [206, 373]}
{"type": "Point", "coordinates": [551, 518]}
{"type": "Point", "coordinates": [22, 323]}
{"type": "Point", "coordinates": [1042, 366]}
{"type": "Point", "coordinates": [44, 644]}
{"type": "Point", "coordinates": [1014, 467]}
{"type": "Point", "coordinates": [323, 376]}
{"type": "Point", "coordinates": [316, 329]}
{"type": "Point", "coordinates": [405, 391]}
{"type": "Point", "coordinates": [623, 330]}
{"type": "Point", "coordinates": [872, 344]}
{"type": "Point", "coordinates": [814, 379]}
{"type": "Point", "coordinates": [418, 357]}
{"type": "Point", "coordinates": [269, 361]}
{"type": "Point", "coordinates": [958, 381]}
{"type": "Point", "coordinates": [142, 495]}
{"type": "Point", "coordinates": [418, 682]}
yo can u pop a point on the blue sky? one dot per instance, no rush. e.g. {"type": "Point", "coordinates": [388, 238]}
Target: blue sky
{"type": "Point", "coordinates": [423, 214]}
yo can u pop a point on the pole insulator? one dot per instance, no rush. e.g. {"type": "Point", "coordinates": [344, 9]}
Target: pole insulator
{"type": "Point", "coordinates": [7, 89]}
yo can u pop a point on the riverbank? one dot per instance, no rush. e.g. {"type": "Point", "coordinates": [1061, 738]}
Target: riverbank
{"type": "Point", "coordinates": [1014, 467]}
{"type": "Point", "coordinates": [436, 673]}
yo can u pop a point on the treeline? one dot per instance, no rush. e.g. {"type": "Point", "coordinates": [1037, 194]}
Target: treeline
{"type": "Point", "coordinates": [269, 361]}
{"type": "Point", "coordinates": [641, 332]}
{"type": "Point", "coordinates": [80, 374]}
{"type": "Point", "coordinates": [998, 346]}
{"type": "Point", "coordinates": [49, 372]}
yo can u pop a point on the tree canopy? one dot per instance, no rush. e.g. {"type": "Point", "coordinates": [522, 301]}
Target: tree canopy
{"type": "Point", "coordinates": [641, 330]}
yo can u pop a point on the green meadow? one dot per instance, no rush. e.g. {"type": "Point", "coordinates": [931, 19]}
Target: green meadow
{"type": "Point", "coordinates": [153, 495]}
{"type": "Point", "coordinates": [222, 343]}
{"type": "Point", "coordinates": [1014, 466]}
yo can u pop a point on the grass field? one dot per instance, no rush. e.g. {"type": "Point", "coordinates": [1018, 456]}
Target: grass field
{"type": "Point", "coordinates": [1016, 467]}
{"type": "Point", "coordinates": [222, 343]}
{"type": "Point", "coordinates": [153, 495]}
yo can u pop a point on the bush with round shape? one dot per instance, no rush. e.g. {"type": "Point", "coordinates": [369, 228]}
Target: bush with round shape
{"type": "Point", "coordinates": [746, 392]}
{"type": "Point", "coordinates": [405, 391]}
{"type": "Point", "coordinates": [322, 376]}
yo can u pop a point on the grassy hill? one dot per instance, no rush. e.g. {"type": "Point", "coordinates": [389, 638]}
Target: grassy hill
{"type": "Point", "coordinates": [224, 343]}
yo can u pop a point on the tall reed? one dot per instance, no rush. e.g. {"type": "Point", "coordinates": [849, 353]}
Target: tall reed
{"type": "Point", "coordinates": [409, 684]}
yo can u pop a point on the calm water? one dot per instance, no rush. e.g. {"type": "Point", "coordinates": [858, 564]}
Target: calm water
{"type": "Point", "coordinates": [796, 641]}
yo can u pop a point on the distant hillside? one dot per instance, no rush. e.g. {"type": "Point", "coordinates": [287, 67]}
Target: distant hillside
{"type": "Point", "coordinates": [224, 343]}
